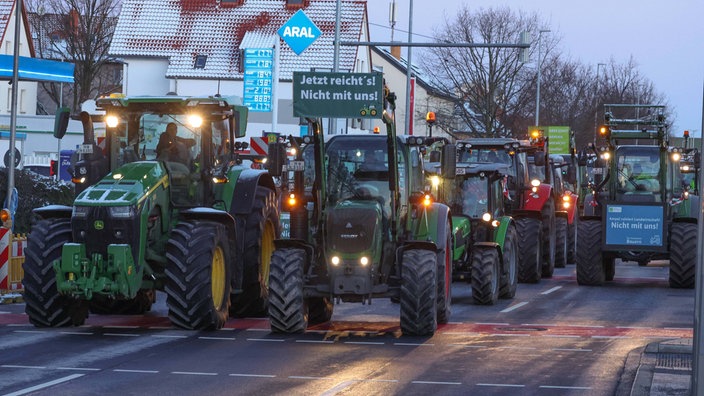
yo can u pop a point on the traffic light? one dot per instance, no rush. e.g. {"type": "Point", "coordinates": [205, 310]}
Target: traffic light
{"type": "Point", "coordinates": [53, 168]}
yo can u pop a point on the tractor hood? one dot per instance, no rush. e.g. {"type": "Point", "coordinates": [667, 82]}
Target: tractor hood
{"type": "Point", "coordinates": [354, 226]}
{"type": "Point", "coordinates": [125, 186]}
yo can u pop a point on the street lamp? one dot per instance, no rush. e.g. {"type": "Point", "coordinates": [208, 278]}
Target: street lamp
{"type": "Point", "coordinates": [537, 95]}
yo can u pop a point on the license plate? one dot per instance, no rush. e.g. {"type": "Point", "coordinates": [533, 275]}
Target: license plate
{"type": "Point", "coordinates": [598, 171]}
{"type": "Point", "coordinates": [296, 166]}
{"type": "Point", "coordinates": [85, 149]}
{"type": "Point", "coordinates": [460, 171]}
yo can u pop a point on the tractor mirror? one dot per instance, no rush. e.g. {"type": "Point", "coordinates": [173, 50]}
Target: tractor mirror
{"type": "Point", "coordinates": [276, 158]}
{"type": "Point", "coordinates": [434, 156]}
{"type": "Point", "coordinates": [448, 161]}
{"type": "Point", "coordinates": [240, 114]}
{"type": "Point", "coordinates": [539, 158]}
{"type": "Point", "coordinates": [61, 121]}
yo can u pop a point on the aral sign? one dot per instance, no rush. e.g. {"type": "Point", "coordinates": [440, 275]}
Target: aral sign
{"type": "Point", "coordinates": [299, 32]}
{"type": "Point", "coordinates": [337, 95]}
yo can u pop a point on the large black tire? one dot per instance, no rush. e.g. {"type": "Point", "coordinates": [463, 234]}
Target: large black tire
{"type": "Point", "coordinates": [486, 274]}
{"type": "Point", "coordinates": [142, 303]}
{"type": "Point", "coordinates": [560, 242]}
{"type": "Point", "coordinates": [45, 307]}
{"type": "Point", "coordinates": [261, 229]}
{"type": "Point", "coordinates": [509, 272]}
{"type": "Point", "coordinates": [609, 268]}
{"type": "Point", "coordinates": [549, 238]}
{"type": "Point", "coordinates": [683, 255]}
{"type": "Point", "coordinates": [444, 262]}
{"type": "Point", "coordinates": [198, 274]}
{"type": "Point", "coordinates": [529, 232]}
{"type": "Point", "coordinates": [590, 264]}
{"type": "Point", "coordinates": [288, 312]}
{"type": "Point", "coordinates": [572, 240]}
{"type": "Point", "coordinates": [418, 292]}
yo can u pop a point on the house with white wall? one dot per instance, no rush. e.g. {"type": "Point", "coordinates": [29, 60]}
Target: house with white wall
{"type": "Point", "coordinates": [196, 48]}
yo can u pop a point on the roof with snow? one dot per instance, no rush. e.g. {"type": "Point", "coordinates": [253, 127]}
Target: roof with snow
{"type": "Point", "coordinates": [181, 30]}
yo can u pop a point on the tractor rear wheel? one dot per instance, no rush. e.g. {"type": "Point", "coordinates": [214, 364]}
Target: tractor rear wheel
{"type": "Point", "coordinates": [529, 232]}
{"type": "Point", "coordinates": [549, 238]}
{"type": "Point", "coordinates": [485, 275]}
{"type": "Point", "coordinates": [509, 273]}
{"type": "Point", "coordinates": [261, 229]}
{"type": "Point", "coordinates": [198, 275]}
{"type": "Point", "coordinates": [560, 242]}
{"type": "Point", "coordinates": [418, 292]}
{"type": "Point", "coordinates": [444, 263]}
{"type": "Point", "coordinates": [590, 263]}
{"type": "Point", "coordinates": [683, 255]}
{"type": "Point", "coordinates": [45, 307]}
{"type": "Point", "coordinates": [288, 312]}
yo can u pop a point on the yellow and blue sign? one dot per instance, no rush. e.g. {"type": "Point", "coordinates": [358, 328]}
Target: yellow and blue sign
{"type": "Point", "coordinates": [299, 32]}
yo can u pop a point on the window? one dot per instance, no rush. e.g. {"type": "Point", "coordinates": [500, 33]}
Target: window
{"type": "Point", "coordinates": [200, 61]}
{"type": "Point", "coordinates": [9, 99]}
{"type": "Point", "coordinates": [21, 101]}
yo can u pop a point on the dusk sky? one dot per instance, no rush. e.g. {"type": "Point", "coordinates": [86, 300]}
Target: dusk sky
{"type": "Point", "coordinates": [666, 38]}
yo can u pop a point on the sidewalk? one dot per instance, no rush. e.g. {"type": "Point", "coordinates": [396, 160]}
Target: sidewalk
{"type": "Point", "coordinates": [661, 369]}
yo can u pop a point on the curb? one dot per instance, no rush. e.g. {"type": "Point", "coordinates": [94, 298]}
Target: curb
{"type": "Point", "coordinates": [663, 368]}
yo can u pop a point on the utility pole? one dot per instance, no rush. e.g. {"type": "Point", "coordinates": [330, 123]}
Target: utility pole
{"type": "Point", "coordinates": [537, 95]}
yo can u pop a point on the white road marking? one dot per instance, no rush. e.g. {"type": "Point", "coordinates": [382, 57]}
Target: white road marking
{"type": "Point", "coordinates": [78, 368]}
{"type": "Point", "coordinates": [678, 328]}
{"type": "Point", "coordinates": [411, 344]}
{"type": "Point", "coordinates": [253, 375]}
{"type": "Point", "coordinates": [75, 333]}
{"type": "Point", "coordinates": [468, 346]}
{"type": "Point", "coordinates": [462, 333]}
{"type": "Point", "coordinates": [191, 373]}
{"type": "Point", "coordinates": [266, 339]}
{"type": "Point", "coordinates": [510, 335]}
{"type": "Point", "coordinates": [20, 325]}
{"type": "Point", "coordinates": [585, 326]}
{"type": "Point", "coordinates": [492, 324]}
{"type": "Point", "coordinates": [455, 323]}
{"type": "Point", "coordinates": [255, 329]}
{"type": "Point", "coordinates": [308, 378]}
{"type": "Point", "coordinates": [29, 331]}
{"type": "Point", "coordinates": [217, 338]}
{"type": "Point", "coordinates": [561, 336]}
{"type": "Point", "coordinates": [504, 385]}
{"type": "Point", "coordinates": [514, 347]}
{"type": "Point", "coordinates": [539, 324]}
{"type": "Point", "coordinates": [120, 335]}
{"type": "Point", "coordinates": [136, 371]}
{"type": "Point", "coordinates": [339, 387]}
{"type": "Point", "coordinates": [516, 306]}
{"type": "Point", "coordinates": [436, 382]}
{"type": "Point", "coordinates": [24, 367]}
{"type": "Point", "coordinates": [552, 290]}
{"type": "Point", "coordinates": [120, 327]}
{"type": "Point", "coordinates": [565, 387]}
{"type": "Point", "coordinates": [44, 385]}
{"type": "Point", "coordinates": [168, 336]}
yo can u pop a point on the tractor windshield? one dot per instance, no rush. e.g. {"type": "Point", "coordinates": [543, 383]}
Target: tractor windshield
{"type": "Point", "coordinates": [358, 169]}
{"type": "Point", "coordinates": [485, 155]}
{"type": "Point", "coordinates": [470, 197]}
{"type": "Point", "coordinates": [170, 138]}
{"type": "Point", "coordinates": [638, 169]}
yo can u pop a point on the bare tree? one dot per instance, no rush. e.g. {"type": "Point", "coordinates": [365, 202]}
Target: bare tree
{"type": "Point", "coordinates": [487, 83]}
{"type": "Point", "coordinates": [77, 31]}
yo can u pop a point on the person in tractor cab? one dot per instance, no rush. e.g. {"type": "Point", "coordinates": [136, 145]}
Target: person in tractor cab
{"type": "Point", "coordinates": [174, 148]}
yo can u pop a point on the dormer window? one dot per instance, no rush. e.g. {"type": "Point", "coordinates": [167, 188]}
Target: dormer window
{"type": "Point", "coordinates": [231, 3]}
{"type": "Point", "coordinates": [200, 61]}
{"type": "Point", "coordinates": [294, 4]}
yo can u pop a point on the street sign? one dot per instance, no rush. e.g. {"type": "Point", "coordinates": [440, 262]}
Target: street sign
{"type": "Point", "coordinates": [339, 95]}
{"type": "Point", "coordinates": [258, 66]}
{"type": "Point", "coordinates": [299, 32]}
{"type": "Point", "coordinates": [634, 227]}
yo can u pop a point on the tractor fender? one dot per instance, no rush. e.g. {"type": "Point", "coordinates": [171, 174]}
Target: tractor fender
{"type": "Point", "coordinates": [489, 245]}
{"type": "Point", "coordinates": [462, 230]}
{"type": "Point", "coordinates": [245, 189]}
{"type": "Point", "coordinates": [500, 235]}
{"type": "Point", "coordinates": [442, 214]}
{"type": "Point", "coordinates": [527, 213]}
{"type": "Point", "coordinates": [431, 224]}
{"type": "Point", "coordinates": [226, 219]}
{"type": "Point", "coordinates": [297, 244]}
{"type": "Point", "coordinates": [536, 200]}
{"type": "Point", "coordinates": [54, 212]}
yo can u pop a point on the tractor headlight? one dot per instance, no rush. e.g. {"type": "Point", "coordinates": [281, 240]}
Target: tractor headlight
{"type": "Point", "coordinates": [676, 156]}
{"type": "Point", "coordinates": [535, 182]}
{"type": "Point", "coordinates": [120, 212]}
{"type": "Point", "coordinates": [111, 121]}
{"type": "Point", "coordinates": [80, 212]}
{"type": "Point", "coordinates": [364, 260]}
{"type": "Point", "coordinates": [335, 260]}
{"type": "Point", "coordinates": [486, 217]}
{"type": "Point", "coordinates": [435, 181]}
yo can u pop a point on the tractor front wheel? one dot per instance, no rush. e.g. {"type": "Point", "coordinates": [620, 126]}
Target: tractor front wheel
{"type": "Point", "coordinates": [288, 312]}
{"type": "Point", "coordinates": [683, 255]}
{"type": "Point", "coordinates": [485, 275]}
{"type": "Point", "coordinates": [561, 242]}
{"type": "Point", "coordinates": [45, 307]}
{"type": "Point", "coordinates": [530, 233]}
{"type": "Point", "coordinates": [418, 292]}
{"type": "Point", "coordinates": [590, 263]}
{"type": "Point", "coordinates": [509, 273]}
{"type": "Point", "coordinates": [444, 263]}
{"type": "Point", "coordinates": [198, 275]}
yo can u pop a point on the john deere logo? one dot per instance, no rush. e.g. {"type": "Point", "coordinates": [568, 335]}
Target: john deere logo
{"type": "Point", "coordinates": [98, 225]}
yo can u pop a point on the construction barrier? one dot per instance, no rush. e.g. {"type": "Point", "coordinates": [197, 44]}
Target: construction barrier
{"type": "Point", "coordinates": [11, 260]}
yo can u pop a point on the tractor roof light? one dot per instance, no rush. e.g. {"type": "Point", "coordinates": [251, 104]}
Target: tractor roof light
{"type": "Point", "coordinates": [535, 182]}
{"type": "Point", "coordinates": [111, 121]}
{"type": "Point", "coordinates": [676, 156]}
{"type": "Point", "coordinates": [364, 260]}
{"type": "Point", "coordinates": [434, 180]}
{"type": "Point", "coordinates": [430, 117]}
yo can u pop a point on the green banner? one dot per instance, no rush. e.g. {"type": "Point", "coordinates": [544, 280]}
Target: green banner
{"type": "Point", "coordinates": [558, 139]}
{"type": "Point", "coordinates": [337, 95]}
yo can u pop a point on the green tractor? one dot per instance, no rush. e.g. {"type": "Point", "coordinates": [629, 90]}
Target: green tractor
{"type": "Point", "coordinates": [643, 208]}
{"type": "Point", "coordinates": [367, 230]}
{"type": "Point", "coordinates": [485, 251]}
{"type": "Point", "coordinates": [177, 213]}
